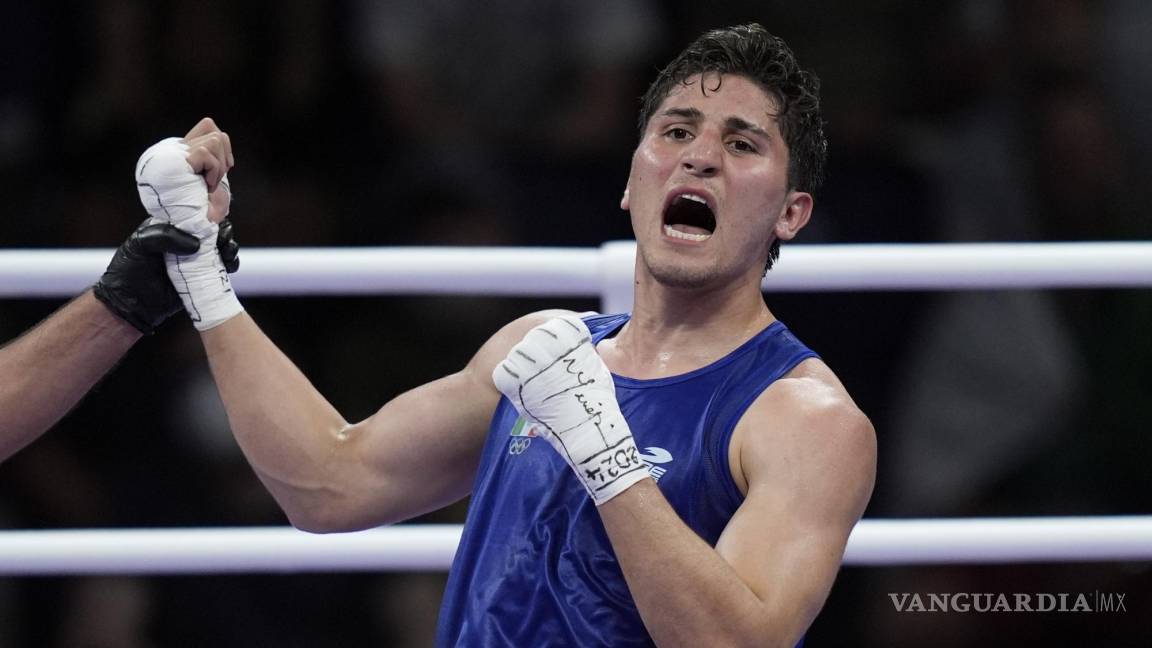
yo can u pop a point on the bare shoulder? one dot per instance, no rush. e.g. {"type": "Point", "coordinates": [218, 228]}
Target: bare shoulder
{"type": "Point", "coordinates": [807, 419]}
{"type": "Point", "coordinates": [811, 394]}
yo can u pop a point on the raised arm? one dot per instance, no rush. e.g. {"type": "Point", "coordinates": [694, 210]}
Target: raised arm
{"type": "Point", "coordinates": [417, 453]}
{"type": "Point", "coordinates": [46, 371]}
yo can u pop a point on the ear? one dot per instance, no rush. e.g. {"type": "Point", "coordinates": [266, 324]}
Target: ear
{"type": "Point", "coordinates": [624, 200]}
{"type": "Point", "coordinates": [797, 210]}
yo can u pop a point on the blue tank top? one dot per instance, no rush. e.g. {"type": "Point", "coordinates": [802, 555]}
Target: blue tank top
{"type": "Point", "coordinates": [534, 566]}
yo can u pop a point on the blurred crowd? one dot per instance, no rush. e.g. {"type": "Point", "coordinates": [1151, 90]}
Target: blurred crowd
{"type": "Point", "coordinates": [511, 122]}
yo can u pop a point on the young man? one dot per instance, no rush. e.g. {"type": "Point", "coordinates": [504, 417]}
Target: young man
{"type": "Point", "coordinates": [686, 475]}
{"type": "Point", "coordinates": [47, 370]}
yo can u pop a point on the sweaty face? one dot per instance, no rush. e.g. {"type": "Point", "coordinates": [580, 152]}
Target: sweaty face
{"type": "Point", "coordinates": [708, 189]}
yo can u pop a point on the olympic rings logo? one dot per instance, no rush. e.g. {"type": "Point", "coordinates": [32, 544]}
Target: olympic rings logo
{"type": "Point", "coordinates": [518, 445]}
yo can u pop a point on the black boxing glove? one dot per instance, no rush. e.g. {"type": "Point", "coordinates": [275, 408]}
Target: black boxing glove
{"type": "Point", "coordinates": [136, 287]}
{"type": "Point", "coordinates": [227, 246]}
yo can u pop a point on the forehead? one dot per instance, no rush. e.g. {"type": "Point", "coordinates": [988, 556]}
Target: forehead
{"type": "Point", "coordinates": [720, 97]}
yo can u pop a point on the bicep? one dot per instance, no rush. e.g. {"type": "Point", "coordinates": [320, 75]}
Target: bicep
{"type": "Point", "coordinates": [421, 450]}
{"type": "Point", "coordinates": [809, 479]}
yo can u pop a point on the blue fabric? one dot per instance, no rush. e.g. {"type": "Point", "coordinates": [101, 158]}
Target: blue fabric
{"type": "Point", "coordinates": [534, 566]}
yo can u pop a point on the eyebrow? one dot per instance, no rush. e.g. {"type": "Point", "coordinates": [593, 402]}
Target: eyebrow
{"type": "Point", "coordinates": [691, 114]}
{"type": "Point", "coordinates": [732, 123]}
{"type": "Point", "coordinates": [737, 124]}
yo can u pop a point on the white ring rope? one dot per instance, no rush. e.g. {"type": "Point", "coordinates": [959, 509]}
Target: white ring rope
{"type": "Point", "coordinates": [431, 547]}
{"type": "Point", "coordinates": [590, 272]}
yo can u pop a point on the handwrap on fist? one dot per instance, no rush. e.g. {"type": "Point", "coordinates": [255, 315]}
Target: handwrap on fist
{"type": "Point", "coordinates": [174, 194]}
{"type": "Point", "coordinates": [136, 287]}
{"type": "Point", "coordinates": [555, 378]}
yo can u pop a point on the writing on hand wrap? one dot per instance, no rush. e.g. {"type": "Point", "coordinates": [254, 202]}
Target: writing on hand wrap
{"type": "Point", "coordinates": [555, 378]}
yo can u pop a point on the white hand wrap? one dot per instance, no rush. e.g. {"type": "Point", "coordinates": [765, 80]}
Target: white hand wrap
{"type": "Point", "coordinates": [555, 378]}
{"type": "Point", "coordinates": [173, 193]}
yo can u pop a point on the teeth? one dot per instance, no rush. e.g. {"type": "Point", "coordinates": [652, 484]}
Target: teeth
{"type": "Point", "coordinates": [674, 233]}
{"type": "Point", "coordinates": [695, 198]}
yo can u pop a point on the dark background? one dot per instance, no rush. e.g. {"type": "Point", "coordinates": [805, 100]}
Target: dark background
{"type": "Point", "coordinates": [511, 123]}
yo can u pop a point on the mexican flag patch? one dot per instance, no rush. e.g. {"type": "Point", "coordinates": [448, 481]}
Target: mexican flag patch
{"type": "Point", "coordinates": [523, 429]}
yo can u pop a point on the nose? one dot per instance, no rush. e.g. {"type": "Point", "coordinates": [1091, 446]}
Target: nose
{"type": "Point", "coordinates": [702, 157]}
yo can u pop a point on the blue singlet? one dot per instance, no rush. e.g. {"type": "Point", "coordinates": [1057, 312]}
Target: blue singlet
{"type": "Point", "coordinates": [534, 566]}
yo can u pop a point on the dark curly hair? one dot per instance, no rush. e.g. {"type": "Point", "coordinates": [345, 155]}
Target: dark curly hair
{"type": "Point", "coordinates": [750, 51]}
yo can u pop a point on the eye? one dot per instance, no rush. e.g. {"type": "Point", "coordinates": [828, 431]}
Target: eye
{"type": "Point", "coordinates": [742, 146]}
{"type": "Point", "coordinates": [678, 133]}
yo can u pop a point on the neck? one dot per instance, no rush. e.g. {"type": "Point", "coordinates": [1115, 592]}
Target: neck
{"type": "Point", "coordinates": [676, 330]}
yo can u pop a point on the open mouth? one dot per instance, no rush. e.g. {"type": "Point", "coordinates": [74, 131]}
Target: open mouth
{"type": "Point", "coordinates": [688, 217]}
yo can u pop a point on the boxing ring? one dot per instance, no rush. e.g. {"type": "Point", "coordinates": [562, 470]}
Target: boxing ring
{"type": "Point", "coordinates": [604, 272]}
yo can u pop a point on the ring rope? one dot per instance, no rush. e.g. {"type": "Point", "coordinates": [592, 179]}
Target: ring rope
{"type": "Point", "coordinates": [874, 542]}
{"type": "Point", "coordinates": [590, 272]}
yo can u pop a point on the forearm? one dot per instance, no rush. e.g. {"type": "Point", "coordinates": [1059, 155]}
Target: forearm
{"type": "Point", "coordinates": [45, 372]}
{"type": "Point", "coordinates": [290, 434]}
{"type": "Point", "coordinates": [687, 594]}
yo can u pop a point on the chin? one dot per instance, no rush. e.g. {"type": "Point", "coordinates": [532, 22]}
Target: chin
{"type": "Point", "coordinates": [682, 280]}
{"type": "Point", "coordinates": [683, 275]}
